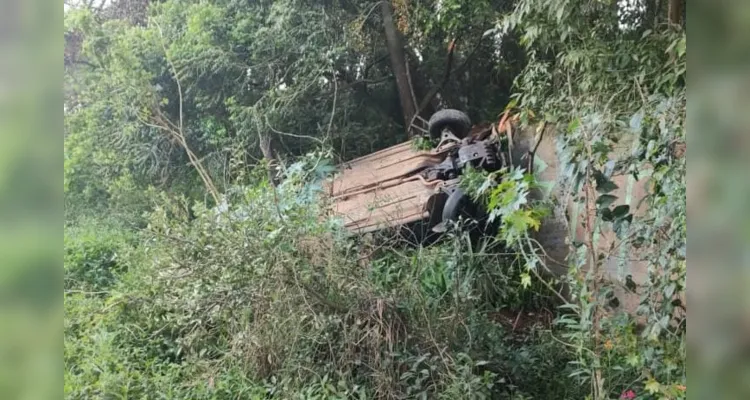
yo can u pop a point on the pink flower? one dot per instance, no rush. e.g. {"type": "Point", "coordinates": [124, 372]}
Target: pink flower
{"type": "Point", "coordinates": [628, 394]}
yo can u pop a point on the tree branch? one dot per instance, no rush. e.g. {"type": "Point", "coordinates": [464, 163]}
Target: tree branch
{"type": "Point", "coordinates": [177, 132]}
{"type": "Point", "coordinates": [446, 76]}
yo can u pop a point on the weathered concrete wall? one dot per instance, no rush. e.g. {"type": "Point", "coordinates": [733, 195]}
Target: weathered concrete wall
{"type": "Point", "coordinates": [567, 222]}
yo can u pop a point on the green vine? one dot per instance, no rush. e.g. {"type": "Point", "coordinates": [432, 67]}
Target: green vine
{"type": "Point", "coordinates": [616, 96]}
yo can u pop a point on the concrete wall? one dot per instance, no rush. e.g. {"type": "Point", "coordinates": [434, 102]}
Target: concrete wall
{"type": "Point", "coordinates": [567, 222]}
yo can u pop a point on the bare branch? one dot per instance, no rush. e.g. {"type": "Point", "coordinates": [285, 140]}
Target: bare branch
{"type": "Point", "coordinates": [177, 131]}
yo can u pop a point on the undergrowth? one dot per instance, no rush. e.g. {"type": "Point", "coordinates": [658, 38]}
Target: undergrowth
{"type": "Point", "coordinates": [232, 302]}
{"type": "Point", "coordinates": [263, 295]}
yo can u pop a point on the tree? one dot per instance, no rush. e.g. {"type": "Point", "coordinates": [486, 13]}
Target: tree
{"type": "Point", "coordinates": [269, 79]}
{"type": "Point", "coordinates": [398, 63]}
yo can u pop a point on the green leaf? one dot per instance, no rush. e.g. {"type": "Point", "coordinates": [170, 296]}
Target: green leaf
{"type": "Point", "coordinates": [652, 386]}
{"type": "Point", "coordinates": [606, 186]}
{"type": "Point", "coordinates": [605, 200]}
{"type": "Point", "coordinates": [601, 148]}
{"type": "Point", "coordinates": [669, 290]}
{"type": "Point", "coordinates": [633, 360]}
{"type": "Point", "coordinates": [525, 280]}
{"type": "Point", "coordinates": [681, 46]}
{"type": "Point", "coordinates": [573, 125]}
{"type": "Point", "coordinates": [560, 11]}
{"type": "Point", "coordinates": [512, 104]}
{"type": "Point", "coordinates": [621, 211]}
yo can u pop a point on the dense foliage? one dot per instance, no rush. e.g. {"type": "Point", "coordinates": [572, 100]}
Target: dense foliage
{"type": "Point", "coordinates": [234, 81]}
{"type": "Point", "coordinates": [200, 261]}
{"type": "Point", "coordinates": [614, 81]}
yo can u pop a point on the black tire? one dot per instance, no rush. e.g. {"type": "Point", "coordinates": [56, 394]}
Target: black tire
{"type": "Point", "coordinates": [456, 121]}
{"type": "Point", "coordinates": [459, 204]}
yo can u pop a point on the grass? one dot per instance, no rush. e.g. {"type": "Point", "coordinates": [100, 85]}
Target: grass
{"type": "Point", "coordinates": [262, 305]}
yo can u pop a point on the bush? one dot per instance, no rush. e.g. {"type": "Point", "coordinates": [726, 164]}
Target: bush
{"type": "Point", "coordinates": [281, 303]}
{"type": "Point", "coordinates": [95, 254]}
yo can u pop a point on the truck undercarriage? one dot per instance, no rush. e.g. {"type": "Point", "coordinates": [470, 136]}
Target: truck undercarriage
{"type": "Point", "coordinates": [402, 185]}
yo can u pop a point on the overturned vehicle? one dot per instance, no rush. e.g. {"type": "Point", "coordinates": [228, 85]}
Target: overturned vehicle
{"type": "Point", "coordinates": [418, 190]}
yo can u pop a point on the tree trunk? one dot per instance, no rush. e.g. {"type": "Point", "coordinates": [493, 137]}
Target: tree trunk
{"type": "Point", "coordinates": [420, 83]}
{"type": "Point", "coordinates": [675, 12]}
{"type": "Point", "coordinates": [266, 147]}
{"type": "Point", "coordinates": [651, 15]}
{"type": "Point", "coordinates": [398, 63]}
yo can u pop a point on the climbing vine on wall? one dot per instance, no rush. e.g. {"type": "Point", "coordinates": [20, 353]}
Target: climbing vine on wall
{"type": "Point", "coordinates": [614, 89]}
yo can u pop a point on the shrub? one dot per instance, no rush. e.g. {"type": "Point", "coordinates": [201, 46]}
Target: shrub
{"type": "Point", "coordinates": [281, 303]}
{"type": "Point", "coordinates": [94, 255]}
